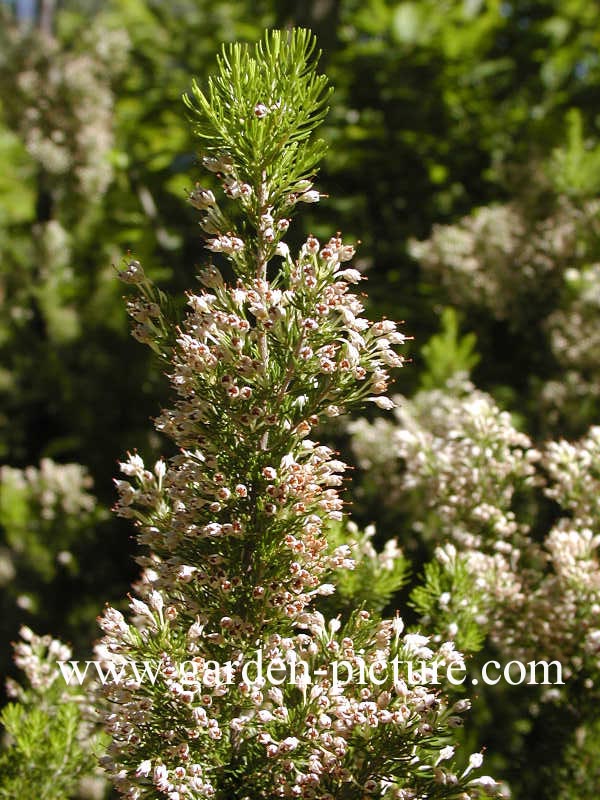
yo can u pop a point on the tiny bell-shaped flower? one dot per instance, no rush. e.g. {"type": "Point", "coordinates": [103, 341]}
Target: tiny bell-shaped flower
{"type": "Point", "coordinates": [312, 196]}
{"type": "Point", "coordinates": [133, 274]}
{"type": "Point", "coordinates": [202, 199]}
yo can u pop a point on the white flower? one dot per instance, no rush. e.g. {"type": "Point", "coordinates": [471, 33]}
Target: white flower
{"type": "Point", "coordinates": [312, 196]}
{"type": "Point", "coordinates": [475, 761]}
{"type": "Point", "coordinates": [397, 625]}
{"type": "Point", "coordinates": [139, 607]}
{"type": "Point", "coordinates": [350, 275]}
{"type": "Point", "coordinates": [144, 768]}
{"type": "Point", "coordinates": [334, 625]}
{"type": "Point", "coordinates": [383, 402]}
{"type": "Point", "coordinates": [156, 601]}
{"type": "Point", "coordinates": [488, 784]}
{"type": "Point", "coordinates": [446, 753]}
{"type": "Point", "coordinates": [288, 744]}
{"type": "Point", "coordinates": [133, 467]}
{"type": "Point", "coordinates": [416, 643]}
{"type": "Point", "coordinates": [202, 198]}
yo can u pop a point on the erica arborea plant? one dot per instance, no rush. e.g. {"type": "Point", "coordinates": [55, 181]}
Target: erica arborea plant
{"type": "Point", "coordinates": [250, 692]}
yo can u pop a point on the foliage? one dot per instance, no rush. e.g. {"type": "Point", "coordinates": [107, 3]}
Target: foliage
{"type": "Point", "coordinates": [495, 587]}
{"type": "Point", "coordinates": [450, 603]}
{"type": "Point", "coordinates": [377, 575]}
{"type": "Point", "coordinates": [93, 139]}
{"type": "Point", "coordinates": [447, 353]}
{"type": "Point", "coordinates": [575, 167]}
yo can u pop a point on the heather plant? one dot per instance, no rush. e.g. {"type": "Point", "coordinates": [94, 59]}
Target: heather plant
{"type": "Point", "coordinates": [527, 269]}
{"type": "Point", "coordinates": [476, 258]}
{"type": "Point", "coordinates": [58, 103]}
{"type": "Point", "coordinates": [574, 337]}
{"type": "Point", "coordinates": [464, 462]}
{"type": "Point", "coordinates": [48, 515]}
{"type": "Point", "coordinates": [376, 577]}
{"type": "Point", "coordinates": [236, 523]}
{"type": "Point", "coordinates": [51, 740]}
{"type": "Point", "coordinates": [509, 577]}
{"type": "Point", "coordinates": [471, 483]}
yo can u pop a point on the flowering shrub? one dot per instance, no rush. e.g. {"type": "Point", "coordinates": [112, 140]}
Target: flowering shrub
{"type": "Point", "coordinates": [477, 258]}
{"type": "Point", "coordinates": [236, 522]}
{"type": "Point", "coordinates": [61, 103]}
{"type": "Point", "coordinates": [574, 336]}
{"type": "Point", "coordinates": [45, 513]}
{"type": "Point", "coordinates": [464, 459]}
{"type": "Point", "coordinates": [509, 576]}
{"type": "Point", "coordinates": [531, 265]}
{"type": "Point", "coordinates": [51, 729]}
{"type": "Point", "coordinates": [92, 165]}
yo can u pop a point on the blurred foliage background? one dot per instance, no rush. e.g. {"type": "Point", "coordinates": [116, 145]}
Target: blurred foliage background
{"type": "Point", "coordinates": [464, 155]}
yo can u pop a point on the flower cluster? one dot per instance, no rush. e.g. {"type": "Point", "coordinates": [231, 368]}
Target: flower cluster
{"type": "Point", "coordinates": [574, 336]}
{"type": "Point", "coordinates": [461, 454]}
{"type": "Point", "coordinates": [477, 259]}
{"type": "Point", "coordinates": [45, 513]}
{"type": "Point", "coordinates": [36, 656]}
{"type": "Point", "coordinates": [377, 575]}
{"type": "Point", "coordinates": [56, 489]}
{"type": "Point", "coordinates": [460, 457]}
{"type": "Point", "coordinates": [575, 472]}
{"type": "Point", "coordinates": [531, 263]}
{"type": "Point", "coordinates": [374, 726]}
{"type": "Point", "coordinates": [51, 730]}
{"type": "Point", "coordinates": [61, 102]}
{"type": "Point", "coordinates": [558, 612]}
